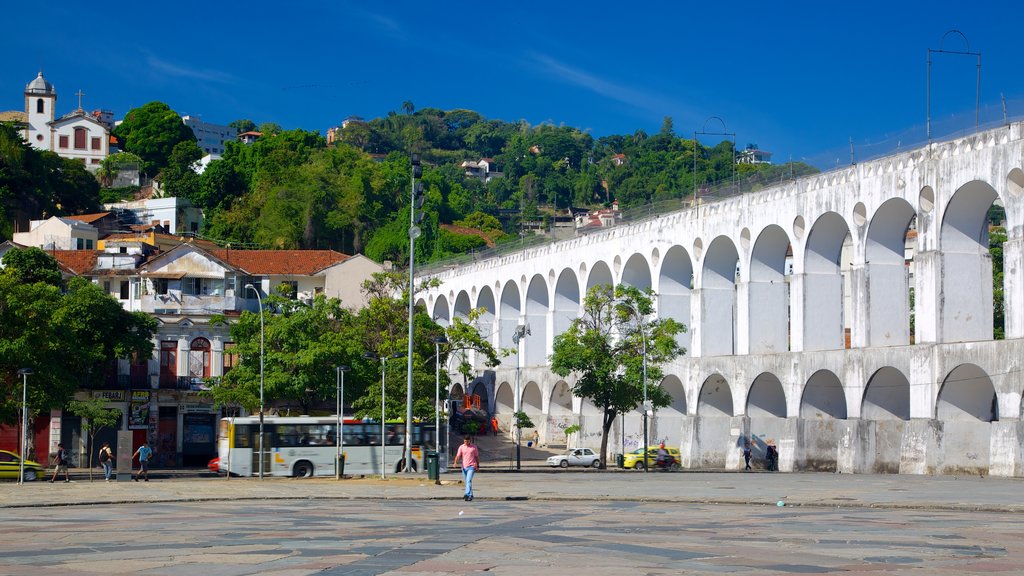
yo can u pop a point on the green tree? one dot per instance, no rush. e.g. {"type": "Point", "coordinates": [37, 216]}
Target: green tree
{"type": "Point", "coordinates": [31, 265]}
{"type": "Point", "coordinates": [243, 125]}
{"type": "Point", "coordinates": [606, 348]}
{"type": "Point", "coordinates": [302, 345]}
{"type": "Point", "coordinates": [996, 239]}
{"type": "Point", "coordinates": [178, 178]}
{"type": "Point", "coordinates": [95, 417]}
{"type": "Point", "coordinates": [69, 337]}
{"type": "Point", "coordinates": [151, 132]}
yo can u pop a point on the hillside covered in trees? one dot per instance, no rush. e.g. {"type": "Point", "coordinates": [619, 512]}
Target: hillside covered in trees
{"type": "Point", "coordinates": [291, 189]}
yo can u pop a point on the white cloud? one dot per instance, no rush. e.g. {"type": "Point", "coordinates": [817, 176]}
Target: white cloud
{"type": "Point", "coordinates": [170, 69]}
{"type": "Point", "coordinates": [645, 100]}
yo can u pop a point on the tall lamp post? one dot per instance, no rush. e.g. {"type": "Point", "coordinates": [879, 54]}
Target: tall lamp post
{"type": "Point", "coordinates": [521, 332]}
{"type": "Point", "coordinates": [416, 202]}
{"type": "Point", "coordinates": [24, 420]}
{"type": "Point", "coordinates": [260, 301]}
{"type": "Point", "coordinates": [339, 441]}
{"type": "Point", "coordinates": [408, 425]}
{"type": "Point", "coordinates": [437, 391]}
{"type": "Point", "coordinates": [643, 336]}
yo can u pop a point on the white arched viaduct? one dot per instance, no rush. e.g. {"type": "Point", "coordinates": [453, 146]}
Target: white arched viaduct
{"type": "Point", "coordinates": [846, 317]}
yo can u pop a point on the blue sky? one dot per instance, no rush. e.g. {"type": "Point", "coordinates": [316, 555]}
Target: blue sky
{"type": "Point", "coordinates": [800, 79]}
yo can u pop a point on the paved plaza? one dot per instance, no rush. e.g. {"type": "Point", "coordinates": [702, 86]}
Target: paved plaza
{"type": "Point", "coordinates": [537, 523]}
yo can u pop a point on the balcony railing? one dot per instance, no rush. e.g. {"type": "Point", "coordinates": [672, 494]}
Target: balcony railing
{"type": "Point", "coordinates": [171, 382]}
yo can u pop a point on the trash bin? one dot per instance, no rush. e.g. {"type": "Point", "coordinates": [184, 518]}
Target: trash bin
{"type": "Point", "coordinates": [341, 465]}
{"type": "Point", "coordinates": [433, 466]}
{"type": "Point", "coordinates": [620, 460]}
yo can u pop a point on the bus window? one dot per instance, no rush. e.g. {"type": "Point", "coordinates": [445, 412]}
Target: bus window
{"type": "Point", "coordinates": [245, 435]}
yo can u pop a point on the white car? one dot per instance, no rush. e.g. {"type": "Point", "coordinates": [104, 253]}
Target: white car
{"type": "Point", "coordinates": [575, 457]}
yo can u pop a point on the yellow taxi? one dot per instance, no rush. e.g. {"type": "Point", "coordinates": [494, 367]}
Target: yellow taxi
{"type": "Point", "coordinates": [635, 459]}
{"type": "Point", "coordinates": [10, 467]}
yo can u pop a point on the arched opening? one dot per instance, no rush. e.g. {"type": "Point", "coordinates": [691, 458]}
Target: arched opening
{"type": "Point", "coordinates": [967, 394]}
{"type": "Point", "coordinates": [441, 313]}
{"type": "Point", "coordinates": [966, 407]}
{"type": "Point", "coordinates": [822, 403]}
{"type": "Point", "coordinates": [462, 305]}
{"type": "Point", "coordinates": [509, 318]}
{"type": "Point", "coordinates": [823, 397]}
{"type": "Point", "coordinates": [199, 358]}
{"type": "Point", "coordinates": [504, 405]}
{"type": "Point", "coordinates": [567, 301]}
{"type": "Point", "coordinates": [714, 423]}
{"type": "Point", "coordinates": [40, 106]}
{"type": "Point", "coordinates": [966, 309]}
{"type": "Point", "coordinates": [718, 299]}
{"type": "Point", "coordinates": [485, 322]}
{"type": "Point", "coordinates": [824, 327]}
{"type": "Point", "coordinates": [885, 410]}
{"type": "Point", "coordinates": [532, 404]}
{"type": "Point", "coordinates": [560, 414]}
{"type": "Point", "coordinates": [887, 396]}
{"type": "Point", "coordinates": [600, 274]}
{"type": "Point", "coordinates": [887, 277]}
{"type": "Point", "coordinates": [674, 289]}
{"type": "Point", "coordinates": [766, 398]}
{"type": "Point", "coordinates": [636, 272]}
{"type": "Point", "coordinates": [535, 344]}
{"type": "Point", "coordinates": [768, 311]}
{"type": "Point", "coordinates": [480, 389]}
{"type": "Point", "coordinates": [668, 421]}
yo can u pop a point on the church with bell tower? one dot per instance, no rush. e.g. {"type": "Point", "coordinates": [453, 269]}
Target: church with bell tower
{"type": "Point", "coordinates": [79, 135]}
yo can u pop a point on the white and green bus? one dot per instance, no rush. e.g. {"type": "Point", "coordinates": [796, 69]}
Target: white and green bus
{"type": "Point", "coordinates": [306, 446]}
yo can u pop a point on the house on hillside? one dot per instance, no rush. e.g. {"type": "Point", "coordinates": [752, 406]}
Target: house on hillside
{"type": "Point", "coordinates": [486, 169]}
{"type": "Point", "coordinates": [58, 233]}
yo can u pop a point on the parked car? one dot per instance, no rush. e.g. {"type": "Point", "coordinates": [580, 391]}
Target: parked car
{"type": "Point", "coordinates": [10, 467]}
{"type": "Point", "coordinates": [635, 459]}
{"type": "Point", "coordinates": [575, 457]}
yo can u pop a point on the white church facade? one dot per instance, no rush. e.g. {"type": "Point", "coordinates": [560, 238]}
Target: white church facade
{"type": "Point", "coordinates": [77, 135]}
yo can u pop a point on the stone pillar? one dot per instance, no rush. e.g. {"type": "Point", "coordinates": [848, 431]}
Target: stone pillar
{"type": "Point", "coordinates": [796, 313]}
{"type": "Point", "coordinates": [743, 320]}
{"type": "Point", "coordinates": [1013, 287]}
{"type": "Point", "coordinates": [927, 294]}
{"type": "Point", "coordinates": [696, 327]}
{"type": "Point", "coordinates": [762, 310]}
{"type": "Point", "coordinates": [1006, 454]}
{"type": "Point", "coordinates": [861, 303]}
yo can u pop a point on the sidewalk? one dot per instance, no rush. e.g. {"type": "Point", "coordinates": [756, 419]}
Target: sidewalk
{"type": "Point", "coordinates": [752, 489]}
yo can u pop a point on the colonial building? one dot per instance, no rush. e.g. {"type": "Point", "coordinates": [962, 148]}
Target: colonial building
{"type": "Point", "coordinates": [80, 135]}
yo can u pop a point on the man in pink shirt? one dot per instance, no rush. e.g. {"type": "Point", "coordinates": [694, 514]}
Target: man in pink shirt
{"type": "Point", "coordinates": [469, 456]}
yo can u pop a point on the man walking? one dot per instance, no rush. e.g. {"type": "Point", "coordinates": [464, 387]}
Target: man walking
{"type": "Point", "coordinates": [60, 461]}
{"type": "Point", "coordinates": [470, 458]}
{"type": "Point", "coordinates": [144, 453]}
{"type": "Point", "coordinates": [107, 460]}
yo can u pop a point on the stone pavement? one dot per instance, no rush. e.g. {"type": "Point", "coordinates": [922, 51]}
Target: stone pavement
{"type": "Point", "coordinates": [810, 489]}
{"type": "Point", "coordinates": [573, 524]}
{"type": "Point", "coordinates": [590, 522]}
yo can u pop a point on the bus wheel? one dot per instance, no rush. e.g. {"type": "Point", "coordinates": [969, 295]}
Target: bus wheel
{"type": "Point", "coordinates": [400, 467]}
{"type": "Point", "coordinates": [303, 469]}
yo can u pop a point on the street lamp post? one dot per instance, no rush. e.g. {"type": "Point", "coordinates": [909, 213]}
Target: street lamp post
{"type": "Point", "coordinates": [260, 301]}
{"type": "Point", "coordinates": [24, 420]}
{"type": "Point", "coordinates": [521, 332]}
{"type": "Point", "coordinates": [339, 441]}
{"type": "Point", "coordinates": [408, 425]}
{"type": "Point", "coordinates": [437, 391]}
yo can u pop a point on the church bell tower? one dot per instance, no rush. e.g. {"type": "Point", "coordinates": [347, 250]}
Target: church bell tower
{"type": "Point", "coordinates": [40, 99]}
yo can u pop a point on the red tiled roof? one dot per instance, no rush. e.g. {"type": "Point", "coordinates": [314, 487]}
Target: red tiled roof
{"type": "Point", "coordinates": [88, 218]}
{"type": "Point", "coordinates": [281, 262]}
{"type": "Point", "coordinates": [75, 261]}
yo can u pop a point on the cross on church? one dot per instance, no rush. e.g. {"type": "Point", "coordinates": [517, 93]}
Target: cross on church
{"type": "Point", "coordinates": [79, 94]}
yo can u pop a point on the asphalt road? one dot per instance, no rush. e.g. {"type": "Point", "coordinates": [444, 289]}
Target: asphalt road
{"type": "Point", "coordinates": [522, 524]}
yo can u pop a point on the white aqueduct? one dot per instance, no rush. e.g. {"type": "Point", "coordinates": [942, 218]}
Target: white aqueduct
{"type": "Point", "coordinates": [847, 317]}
